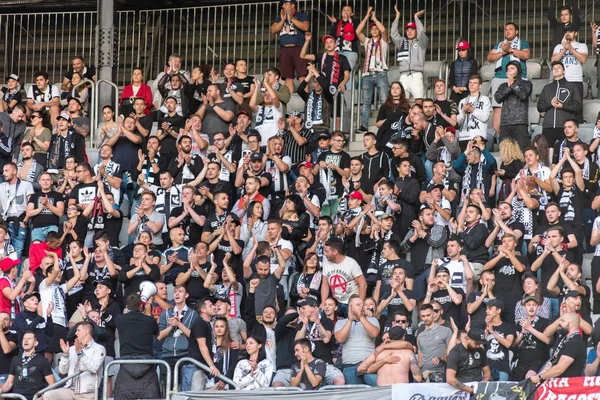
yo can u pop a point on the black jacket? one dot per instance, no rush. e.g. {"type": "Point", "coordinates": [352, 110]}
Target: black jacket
{"type": "Point", "coordinates": [515, 101]}
{"type": "Point", "coordinates": [567, 94]}
{"type": "Point", "coordinates": [195, 167]}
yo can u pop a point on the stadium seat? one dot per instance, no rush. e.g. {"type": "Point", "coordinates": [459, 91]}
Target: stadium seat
{"type": "Point", "coordinates": [487, 71]}
{"type": "Point", "coordinates": [296, 103]}
{"type": "Point", "coordinates": [434, 69]}
{"type": "Point", "coordinates": [589, 68]}
{"type": "Point", "coordinates": [538, 85]}
{"type": "Point", "coordinates": [393, 75]}
{"type": "Point", "coordinates": [590, 111]}
{"type": "Point", "coordinates": [586, 132]}
{"type": "Point", "coordinates": [534, 115]}
{"type": "Point", "coordinates": [534, 70]}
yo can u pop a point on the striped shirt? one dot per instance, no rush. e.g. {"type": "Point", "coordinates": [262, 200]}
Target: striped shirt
{"type": "Point", "coordinates": [280, 179]}
{"type": "Point", "coordinates": [291, 147]}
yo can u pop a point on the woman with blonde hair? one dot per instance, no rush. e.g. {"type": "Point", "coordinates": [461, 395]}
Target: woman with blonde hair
{"type": "Point", "coordinates": [512, 162]}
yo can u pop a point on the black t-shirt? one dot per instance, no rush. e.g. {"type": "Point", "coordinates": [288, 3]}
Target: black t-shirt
{"type": "Point", "coordinates": [46, 217]}
{"type": "Point", "coordinates": [497, 354]}
{"type": "Point", "coordinates": [195, 285]}
{"type": "Point", "coordinates": [84, 193]}
{"type": "Point", "coordinates": [318, 368]}
{"type": "Point", "coordinates": [467, 364]}
{"type": "Point", "coordinates": [124, 149]}
{"type": "Point", "coordinates": [191, 229]}
{"type": "Point", "coordinates": [450, 309]}
{"type": "Point", "coordinates": [541, 232]}
{"type": "Point", "coordinates": [5, 359]}
{"type": "Point", "coordinates": [89, 73]}
{"type": "Point", "coordinates": [575, 348]}
{"type": "Point", "coordinates": [477, 317]}
{"type": "Point", "coordinates": [326, 67]}
{"type": "Point", "coordinates": [8, 97]}
{"type": "Point", "coordinates": [244, 83]}
{"type": "Point", "coordinates": [214, 222]}
{"type": "Point", "coordinates": [549, 266]}
{"type": "Point", "coordinates": [320, 350]}
{"type": "Point", "coordinates": [515, 225]}
{"type": "Point", "coordinates": [200, 329]}
{"type": "Point", "coordinates": [136, 333]}
{"type": "Point", "coordinates": [449, 108]}
{"type": "Point", "coordinates": [168, 144]}
{"type": "Point", "coordinates": [397, 304]}
{"type": "Point", "coordinates": [32, 380]}
{"type": "Point", "coordinates": [132, 285]}
{"type": "Point", "coordinates": [340, 160]}
{"type": "Point", "coordinates": [235, 262]}
{"type": "Point", "coordinates": [571, 204]}
{"type": "Point", "coordinates": [508, 280]}
{"type": "Point", "coordinates": [530, 348]}
{"type": "Point", "coordinates": [112, 226]}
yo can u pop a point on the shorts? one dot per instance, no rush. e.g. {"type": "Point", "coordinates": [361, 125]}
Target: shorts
{"type": "Point", "coordinates": [284, 376]}
{"type": "Point", "coordinates": [290, 63]}
{"type": "Point", "coordinates": [331, 373]}
{"type": "Point", "coordinates": [60, 332]}
{"type": "Point", "coordinates": [114, 369]}
{"type": "Point", "coordinates": [413, 84]}
{"type": "Point", "coordinates": [496, 82]}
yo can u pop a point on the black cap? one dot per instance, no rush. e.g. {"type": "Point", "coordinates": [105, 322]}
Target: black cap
{"type": "Point", "coordinates": [477, 335]}
{"type": "Point", "coordinates": [74, 98]}
{"type": "Point", "coordinates": [529, 298]}
{"type": "Point", "coordinates": [438, 186]}
{"type": "Point", "coordinates": [309, 301]}
{"type": "Point", "coordinates": [256, 157]}
{"type": "Point", "coordinates": [396, 333]}
{"type": "Point", "coordinates": [223, 299]}
{"type": "Point", "coordinates": [324, 135]}
{"type": "Point", "coordinates": [30, 295]}
{"type": "Point", "coordinates": [573, 293]}
{"type": "Point", "coordinates": [571, 28]}
{"type": "Point", "coordinates": [298, 114]}
{"type": "Point", "coordinates": [495, 303]}
{"type": "Point", "coordinates": [234, 218]}
{"type": "Point", "coordinates": [104, 282]}
{"type": "Point", "coordinates": [442, 269]}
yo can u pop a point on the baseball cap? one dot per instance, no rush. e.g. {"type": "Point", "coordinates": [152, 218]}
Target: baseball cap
{"type": "Point", "coordinates": [223, 299]}
{"type": "Point", "coordinates": [463, 45]}
{"type": "Point", "coordinates": [495, 303]}
{"type": "Point", "coordinates": [7, 263]}
{"type": "Point", "coordinates": [451, 130]}
{"type": "Point", "coordinates": [13, 76]}
{"type": "Point", "coordinates": [30, 295]}
{"type": "Point", "coordinates": [442, 270]}
{"type": "Point", "coordinates": [324, 38]}
{"type": "Point", "coordinates": [324, 135]}
{"type": "Point", "coordinates": [309, 301]}
{"type": "Point", "coordinates": [372, 24]}
{"type": "Point", "coordinates": [256, 157]}
{"type": "Point", "coordinates": [64, 116]}
{"type": "Point", "coordinates": [571, 28]}
{"type": "Point", "coordinates": [355, 195]}
{"type": "Point", "coordinates": [103, 282]}
{"type": "Point", "coordinates": [298, 114]}
{"type": "Point", "coordinates": [396, 333]}
{"type": "Point", "coordinates": [528, 298]}
{"type": "Point", "coordinates": [306, 164]}
{"type": "Point", "coordinates": [573, 293]}
{"type": "Point", "coordinates": [437, 186]}
{"type": "Point", "coordinates": [348, 32]}
{"type": "Point", "coordinates": [386, 216]}
{"type": "Point", "coordinates": [73, 98]}
{"type": "Point", "coordinates": [477, 335]}
{"type": "Point", "coordinates": [242, 112]}
{"type": "Point", "coordinates": [289, 1]}
{"type": "Point", "coordinates": [411, 25]}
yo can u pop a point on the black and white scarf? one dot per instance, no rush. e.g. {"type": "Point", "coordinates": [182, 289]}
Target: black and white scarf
{"type": "Point", "coordinates": [522, 214]}
{"type": "Point", "coordinates": [31, 173]}
{"type": "Point", "coordinates": [97, 217]}
{"type": "Point", "coordinates": [54, 162]}
{"type": "Point", "coordinates": [349, 216]}
{"type": "Point", "coordinates": [466, 182]}
{"type": "Point", "coordinates": [403, 53]}
{"type": "Point", "coordinates": [314, 110]}
{"type": "Point", "coordinates": [555, 356]}
{"type": "Point", "coordinates": [373, 57]}
{"type": "Point", "coordinates": [514, 44]}
{"type": "Point", "coordinates": [334, 77]}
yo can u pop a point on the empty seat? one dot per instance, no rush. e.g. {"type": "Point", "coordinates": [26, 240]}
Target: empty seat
{"type": "Point", "coordinates": [538, 86]}
{"type": "Point", "coordinates": [589, 68]}
{"type": "Point", "coordinates": [534, 70]}
{"type": "Point", "coordinates": [487, 71]}
{"type": "Point", "coordinates": [534, 115]}
{"type": "Point", "coordinates": [296, 103]}
{"type": "Point", "coordinates": [590, 111]}
{"type": "Point", "coordinates": [586, 132]}
{"type": "Point", "coordinates": [434, 69]}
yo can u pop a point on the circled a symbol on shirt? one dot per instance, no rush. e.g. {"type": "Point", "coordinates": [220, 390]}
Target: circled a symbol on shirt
{"type": "Point", "coordinates": [338, 284]}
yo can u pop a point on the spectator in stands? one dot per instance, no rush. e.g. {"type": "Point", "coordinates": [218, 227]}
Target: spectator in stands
{"type": "Point", "coordinates": [28, 169]}
{"type": "Point", "coordinates": [559, 101]}
{"type": "Point", "coordinates": [443, 150]}
{"type": "Point", "coordinates": [170, 127]}
{"type": "Point", "coordinates": [146, 218]}
{"type": "Point", "coordinates": [11, 94]}
{"type": "Point", "coordinates": [39, 136]}
{"type": "Point", "coordinates": [474, 112]}
{"type": "Point", "coordinates": [44, 209]}
{"type": "Point", "coordinates": [108, 128]}
{"type": "Point", "coordinates": [78, 65]}
{"type": "Point", "coordinates": [573, 55]}
{"type": "Point", "coordinates": [474, 234]}
{"type": "Point", "coordinates": [215, 113]}
{"type": "Point", "coordinates": [198, 84]}
{"type": "Point", "coordinates": [232, 92]}
{"type": "Point", "coordinates": [449, 298]}
{"type": "Point", "coordinates": [531, 287]}
{"type": "Point", "coordinates": [44, 96]}
{"type": "Point", "coordinates": [395, 107]}
{"type": "Point", "coordinates": [309, 372]}
{"type": "Point", "coordinates": [467, 362]}
{"type": "Point", "coordinates": [29, 372]}
{"type": "Point", "coordinates": [377, 163]}
{"type": "Point", "coordinates": [592, 366]}
{"type": "Point", "coordinates": [476, 166]}
{"type": "Point", "coordinates": [318, 101]}
{"type": "Point", "coordinates": [357, 335]}
{"type": "Point", "coordinates": [331, 166]}
{"type": "Point", "coordinates": [109, 172]}
{"type": "Point", "coordinates": [137, 89]}
{"type": "Point", "coordinates": [81, 93]}
{"type": "Point", "coordinates": [172, 67]}
{"type": "Point", "coordinates": [500, 337]}
{"type": "Point", "coordinates": [128, 142]}
{"type": "Point", "coordinates": [65, 142]}
{"type": "Point", "coordinates": [569, 356]}
{"type": "Point", "coordinates": [177, 90]}
{"type": "Point", "coordinates": [511, 48]}
{"type": "Point", "coordinates": [334, 67]}
{"type": "Point", "coordinates": [568, 15]}
{"type": "Point", "coordinates": [461, 70]}
{"type": "Point", "coordinates": [295, 138]}
{"type": "Point", "coordinates": [530, 341]}
{"type": "Point", "coordinates": [31, 319]}
{"type": "Point", "coordinates": [273, 75]}
{"type": "Point", "coordinates": [257, 371]}
{"type": "Point", "coordinates": [374, 71]}
{"type": "Point", "coordinates": [268, 113]}
{"type": "Point", "coordinates": [411, 54]}
{"type": "Point", "coordinates": [79, 122]}
{"type": "Point", "coordinates": [10, 287]}
{"type": "Point", "coordinates": [9, 339]}
{"type": "Point", "coordinates": [432, 343]}
{"type": "Point", "coordinates": [445, 110]}
{"type": "Point", "coordinates": [174, 325]}
{"type": "Point", "coordinates": [514, 97]}
{"type": "Point", "coordinates": [13, 127]}
{"type": "Point", "coordinates": [291, 25]}
{"type": "Point", "coordinates": [571, 132]}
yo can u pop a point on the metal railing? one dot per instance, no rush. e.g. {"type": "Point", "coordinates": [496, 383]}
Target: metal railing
{"type": "Point", "coordinates": [344, 387]}
{"type": "Point", "coordinates": [203, 367]}
{"type": "Point", "coordinates": [65, 380]}
{"type": "Point", "coordinates": [12, 396]}
{"type": "Point", "coordinates": [146, 361]}
{"type": "Point", "coordinates": [95, 107]}
{"type": "Point", "coordinates": [216, 34]}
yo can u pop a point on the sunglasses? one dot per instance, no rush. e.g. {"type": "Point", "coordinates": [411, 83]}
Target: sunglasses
{"type": "Point", "coordinates": [401, 321]}
{"type": "Point", "coordinates": [437, 310]}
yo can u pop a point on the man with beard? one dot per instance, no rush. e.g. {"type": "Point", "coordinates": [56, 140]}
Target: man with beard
{"type": "Point", "coordinates": [170, 127]}
{"type": "Point", "coordinates": [215, 112]}
{"type": "Point", "coordinates": [401, 150]}
{"type": "Point", "coordinates": [28, 168]}
{"type": "Point", "coordinates": [186, 166]}
{"type": "Point", "coordinates": [467, 362]}
{"type": "Point", "coordinates": [473, 233]}
{"type": "Point", "coordinates": [109, 172]}
{"type": "Point", "coordinates": [476, 171]}
{"type": "Point", "coordinates": [188, 216]}
{"type": "Point", "coordinates": [572, 304]}
{"type": "Point", "coordinates": [295, 138]}
{"type": "Point", "coordinates": [224, 156]}
{"type": "Point", "coordinates": [319, 101]}
{"type": "Point", "coordinates": [149, 166]}
{"type": "Point", "coordinates": [503, 224]}
{"type": "Point", "coordinates": [195, 276]}
{"type": "Point", "coordinates": [253, 165]}
{"type": "Point", "coordinates": [570, 275]}
{"type": "Point", "coordinates": [64, 142]}
{"type": "Point", "coordinates": [251, 193]}
{"type": "Point", "coordinates": [459, 267]}
{"type": "Point", "coordinates": [536, 245]}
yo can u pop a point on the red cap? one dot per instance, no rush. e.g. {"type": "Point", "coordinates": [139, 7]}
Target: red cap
{"type": "Point", "coordinates": [451, 130]}
{"type": "Point", "coordinates": [306, 164]}
{"type": "Point", "coordinates": [355, 195]}
{"type": "Point", "coordinates": [324, 38]}
{"type": "Point", "coordinates": [372, 24]}
{"type": "Point", "coordinates": [349, 32]}
{"type": "Point", "coordinates": [7, 263]}
{"type": "Point", "coordinates": [411, 25]}
{"type": "Point", "coordinates": [463, 45]}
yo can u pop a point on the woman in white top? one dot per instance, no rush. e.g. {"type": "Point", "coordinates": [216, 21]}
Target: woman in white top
{"type": "Point", "coordinates": [106, 129]}
{"type": "Point", "coordinates": [255, 372]}
{"type": "Point", "coordinates": [252, 224]}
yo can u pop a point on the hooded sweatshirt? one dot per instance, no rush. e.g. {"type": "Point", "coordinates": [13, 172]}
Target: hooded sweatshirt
{"type": "Point", "coordinates": [514, 99]}
{"type": "Point", "coordinates": [416, 48]}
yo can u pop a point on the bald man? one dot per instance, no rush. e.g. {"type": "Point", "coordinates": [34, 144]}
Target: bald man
{"type": "Point", "coordinates": [569, 356]}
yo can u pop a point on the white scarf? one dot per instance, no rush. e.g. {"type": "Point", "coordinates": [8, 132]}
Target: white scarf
{"type": "Point", "coordinates": [515, 44]}
{"type": "Point", "coordinates": [314, 110]}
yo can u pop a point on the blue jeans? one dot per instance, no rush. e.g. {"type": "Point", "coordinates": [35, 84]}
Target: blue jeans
{"type": "Point", "coordinates": [17, 239]}
{"type": "Point", "coordinates": [342, 310]}
{"type": "Point", "coordinates": [555, 308]}
{"type": "Point", "coordinates": [428, 166]}
{"type": "Point", "coordinates": [374, 80]}
{"type": "Point", "coordinates": [499, 376]}
{"type": "Point", "coordinates": [352, 378]}
{"type": "Point", "coordinates": [40, 233]}
{"type": "Point", "coordinates": [187, 373]}
{"type": "Point", "coordinates": [420, 285]}
{"type": "Point", "coordinates": [3, 378]}
{"type": "Point", "coordinates": [352, 57]}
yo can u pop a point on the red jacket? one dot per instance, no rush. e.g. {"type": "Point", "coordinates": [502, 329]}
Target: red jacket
{"type": "Point", "coordinates": [144, 92]}
{"type": "Point", "coordinates": [37, 251]}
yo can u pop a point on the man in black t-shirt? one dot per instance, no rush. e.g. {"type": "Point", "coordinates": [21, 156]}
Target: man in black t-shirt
{"type": "Point", "coordinates": [449, 298]}
{"type": "Point", "coordinates": [569, 356]}
{"type": "Point", "coordinates": [394, 293]}
{"type": "Point", "coordinates": [332, 65]}
{"type": "Point", "coordinates": [194, 277]}
{"type": "Point", "coordinates": [331, 166]}
{"type": "Point", "coordinates": [44, 209]}
{"type": "Point", "coordinates": [189, 216]}
{"type": "Point", "coordinates": [170, 127]}
{"type": "Point", "coordinates": [138, 271]}
{"type": "Point", "coordinates": [553, 214]}
{"type": "Point", "coordinates": [85, 192]}
{"type": "Point", "coordinates": [503, 224]}
{"type": "Point", "coordinates": [200, 347]}
{"type": "Point", "coordinates": [477, 301]}
{"type": "Point", "coordinates": [531, 343]}
{"type": "Point", "coordinates": [467, 362]}
{"type": "Point", "coordinates": [309, 372]}
{"type": "Point", "coordinates": [500, 337]}
{"type": "Point", "coordinates": [9, 337]}
{"type": "Point", "coordinates": [29, 372]}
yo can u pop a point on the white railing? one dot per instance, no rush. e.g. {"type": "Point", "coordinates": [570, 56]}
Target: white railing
{"type": "Point", "coordinates": [63, 381]}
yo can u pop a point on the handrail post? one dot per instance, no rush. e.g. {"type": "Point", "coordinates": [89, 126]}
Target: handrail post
{"type": "Point", "coordinates": [12, 396]}
{"type": "Point", "coordinates": [203, 367]}
{"type": "Point", "coordinates": [94, 118]}
{"type": "Point", "coordinates": [61, 382]}
{"type": "Point", "coordinates": [352, 92]}
{"type": "Point", "coordinates": [136, 361]}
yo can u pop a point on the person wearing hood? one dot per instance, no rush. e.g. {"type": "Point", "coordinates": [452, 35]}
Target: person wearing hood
{"type": "Point", "coordinates": [461, 71]}
{"type": "Point", "coordinates": [559, 101]}
{"type": "Point", "coordinates": [514, 97]}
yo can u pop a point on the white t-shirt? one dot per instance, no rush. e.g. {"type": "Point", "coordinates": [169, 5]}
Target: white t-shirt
{"type": "Point", "coordinates": [47, 95]}
{"type": "Point", "coordinates": [284, 244]}
{"type": "Point", "coordinates": [265, 121]}
{"type": "Point", "coordinates": [573, 68]}
{"type": "Point", "coordinates": [439, 220]}
{"type": "Point", "coordinates": [342, 278]}
{"type": "Point", "coordinates": [13, 199]}
{"type": "Point", "coordinates": [457, 272]}
{"type": "Point", "coordinates": [53, 294]}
